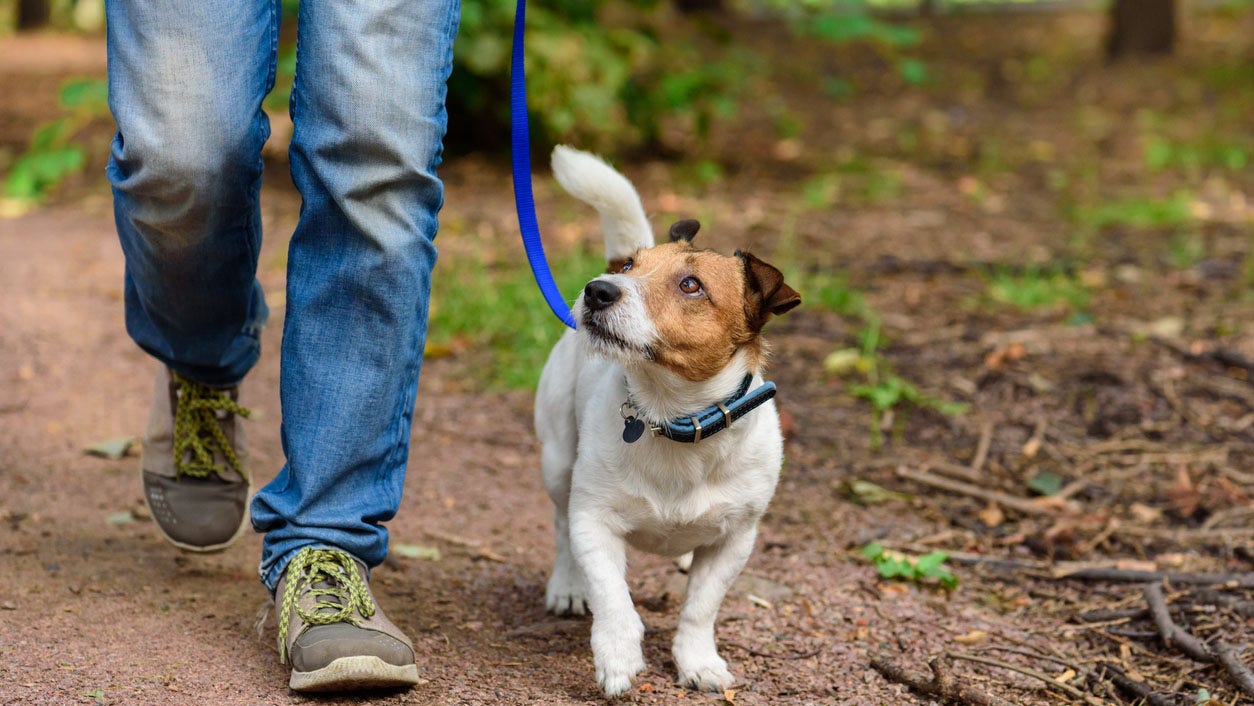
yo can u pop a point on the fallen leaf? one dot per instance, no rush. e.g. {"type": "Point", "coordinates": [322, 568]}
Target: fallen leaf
{"type": "Point", "coordinates": [974, 637]}
{"type": "Point", "coordinates": [761, 602]}
{"type": "Point", "coordinates": [729, 695]}
{"type": "Point", "coordinates": [417, 551]}
{"type": "Point", "coordinates": [1144, 513]}
{"type": "Point", "coordinates": [991, 516]}
{"type": "Point", "coordinates": [120, 518]}
{"type": "Point", "coordinates": [1046, 483]}
{"type": "Point", "coordinates": [112, 449]}
{"type": "Point", "coordinates": [1066, 676]}
{"type": "Point", "coordinates": [647, 688]}
{"type": "Point", "coordinates": [867, 493]}
{"type": "Point", "coordinates": [842, 361]}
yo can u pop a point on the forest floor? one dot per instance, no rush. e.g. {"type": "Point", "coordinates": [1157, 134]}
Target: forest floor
{"type": "Point", "coordinates": [1063, 248]}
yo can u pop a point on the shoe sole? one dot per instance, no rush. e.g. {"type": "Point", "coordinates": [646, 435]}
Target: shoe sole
{"type": "Point", "coordinates": [207, 548]}
{"type": "Point", "coordinates": [353, 673]}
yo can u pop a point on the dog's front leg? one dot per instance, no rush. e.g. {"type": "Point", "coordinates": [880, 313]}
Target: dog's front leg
{"type": "Point", "coordinates": [714, 568]}
{"type": "Point", "coordinates": [616, 627]}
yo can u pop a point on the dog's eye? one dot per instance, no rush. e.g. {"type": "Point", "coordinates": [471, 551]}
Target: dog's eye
{"type": "Point", "coordinates": [627, 265]}
{"type": "Point", "coordinates": [690, 285]}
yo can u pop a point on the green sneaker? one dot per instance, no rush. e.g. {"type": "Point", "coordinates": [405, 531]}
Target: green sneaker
{"type": "Point", "coordinates": [193, 464]}
{"type": "Point", "coordinates": [330, 630]}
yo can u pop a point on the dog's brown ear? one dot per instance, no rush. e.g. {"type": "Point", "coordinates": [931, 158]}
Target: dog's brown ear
{"type": "Point", "coordinates": [766, 294]}
{"type": "Point", "coordinates": [685, 230]}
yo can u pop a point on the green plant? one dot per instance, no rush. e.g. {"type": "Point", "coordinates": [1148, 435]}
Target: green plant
{"type": "Point", "coordinates": [53, 154]}
{"type": "Point", "coordinates": [1037, 288]}
{"type": "Point", "coordinates": [596, 83]}
{"type": "Point", "coordinates": [883, 390]}
{"type": "Point", "coordinates": [498, 311]}
{"type": "Point", "coordinates": [924, 569]}
{"type": "Point", "coordinates": [1139, 212]}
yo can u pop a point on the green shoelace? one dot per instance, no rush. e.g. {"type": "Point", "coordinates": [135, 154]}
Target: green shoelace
{"type": "Point", "coordinates": [197, 432]}
{"type": "Point", "coordinates": [342, 592]}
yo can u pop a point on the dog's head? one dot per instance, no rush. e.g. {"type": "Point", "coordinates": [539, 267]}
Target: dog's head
{"type": "Point", "coordinates": [686, 309]}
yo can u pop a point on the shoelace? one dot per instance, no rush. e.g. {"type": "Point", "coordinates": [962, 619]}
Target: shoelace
{"type": "Point", "coordinates": [341, 581]}
{"type": "Point", "coordinates": [197, 431]}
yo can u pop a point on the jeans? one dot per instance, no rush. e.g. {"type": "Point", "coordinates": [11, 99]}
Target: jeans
{"type": "Point", "coordinates": [186, 81]}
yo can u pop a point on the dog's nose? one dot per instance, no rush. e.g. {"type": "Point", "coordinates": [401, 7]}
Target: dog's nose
{"type": "Point", "coordinates": [600, 294]}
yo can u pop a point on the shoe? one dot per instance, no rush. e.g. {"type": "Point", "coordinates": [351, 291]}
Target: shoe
{"type": "Point", "coordinates": [193, 463]}
{"type": "Point", "coordinates": [331, 631]}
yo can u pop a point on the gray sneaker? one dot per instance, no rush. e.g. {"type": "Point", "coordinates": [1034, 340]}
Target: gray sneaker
{"type": "Point", "coordinates": [193, 464]}
{"type": "Point", "coordinates": [331, 631]}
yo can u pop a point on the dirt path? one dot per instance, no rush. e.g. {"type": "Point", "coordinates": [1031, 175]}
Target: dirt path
{"type": "Point", "coordinates": [90, 605]}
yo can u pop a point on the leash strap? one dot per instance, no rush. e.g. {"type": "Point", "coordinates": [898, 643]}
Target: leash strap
{"type": "Point", "coordinates": [520, 154]}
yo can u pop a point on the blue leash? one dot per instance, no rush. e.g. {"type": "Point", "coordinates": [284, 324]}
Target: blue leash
{"type": "Point", "coordinates": [520, 152]}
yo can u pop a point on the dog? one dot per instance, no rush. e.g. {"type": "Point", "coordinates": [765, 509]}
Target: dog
{"type": "Point", "coordinates": [656, 427]}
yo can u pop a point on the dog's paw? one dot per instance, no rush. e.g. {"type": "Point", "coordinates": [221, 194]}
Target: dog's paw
{"type": "Point", "coordinates": [566, 594]}
{"type": "Point", "coordinates": [614, 673]}
{"type": "Point", "coordinates": [705, 673]}
{"type": "Point", "coordinates": [617, 653]}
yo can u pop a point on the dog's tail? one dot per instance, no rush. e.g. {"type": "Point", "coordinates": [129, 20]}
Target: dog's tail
{"type": "Point", "coordinates": [589, 179]}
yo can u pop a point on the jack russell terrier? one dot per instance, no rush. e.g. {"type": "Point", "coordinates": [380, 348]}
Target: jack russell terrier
{"type": "Point", "coordinates": [656, 426]}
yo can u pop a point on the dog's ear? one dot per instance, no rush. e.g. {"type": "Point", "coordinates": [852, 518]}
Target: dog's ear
{"type": "Point", "coordinates": [685, 230]}
{"type": "Point", "coordinates": [766, 294]}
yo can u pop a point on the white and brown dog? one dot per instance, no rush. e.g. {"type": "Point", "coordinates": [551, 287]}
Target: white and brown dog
{"type": "Point", "coordinates": [668, 342]}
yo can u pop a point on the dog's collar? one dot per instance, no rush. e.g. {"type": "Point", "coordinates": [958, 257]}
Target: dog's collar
{"type": "Point", "coordinates": [704, 424]}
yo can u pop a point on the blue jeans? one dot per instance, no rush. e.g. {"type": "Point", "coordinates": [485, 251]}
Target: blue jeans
{"type": "Point", "coordinates": [186, 81]}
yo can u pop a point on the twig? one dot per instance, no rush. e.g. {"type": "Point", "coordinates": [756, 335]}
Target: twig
{"type": "Point", "coordinates": [1172, 634]}
{"type": "Point", "coordinates": [942, 684]}
{"type": "Point", "coordinates": [1087, 571]}
{"type": "Point", "coordinates": [981, 448]}
{"type": "Point", "coordinates": [1175, 636]}
{"type": "Point", "coordinates": [1027, 507]}
{"type": "Point", "coordinates": [1230, 657]}
{"type": "Point", "coordinates": [1138, 689]}
{"type": "Point", "coordinates": [1038, 437]}
{"type": "Point", "coordinates": [1102, 573]}
{"type": "Point", "coordinates": [1028, 672]}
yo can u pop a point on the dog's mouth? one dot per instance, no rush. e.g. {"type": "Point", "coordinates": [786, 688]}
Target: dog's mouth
{"type": "Point", "coordinates": [607, 338]}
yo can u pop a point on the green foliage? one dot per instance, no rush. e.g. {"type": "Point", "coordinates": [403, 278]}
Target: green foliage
{"type": "Point", "coordinates": [926, 569]}
{"type": "Point", "coordinates": [1161, 153]}
{"type": "Point", "coordinates": [1046, 483]}
{"type": "Point", "coordinates": [885, 391]}
{"type": "Point", "coordinates": [1038, 288]}
{"type": "Point", "coordinates": [53, 154]}
{"type": "Point", "coordinates": [1139, 212]}
{"type": "Point", "coordinates": [497, 310]}
{"type": "Point", "coordinates": [599, 84]}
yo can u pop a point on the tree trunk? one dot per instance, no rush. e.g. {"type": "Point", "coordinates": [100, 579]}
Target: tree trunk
{"type": "Point", "coordinates": [33, 14]}
{"type": "Point", "coordinates": [1141, 27]}
{"type": "Point", "coordinates": [689, 7]}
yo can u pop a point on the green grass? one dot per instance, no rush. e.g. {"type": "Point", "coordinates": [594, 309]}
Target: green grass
{"type": "Point", "coordinates": [499, 309]}
{"type": "Point", "coordinates": [1038, 289]}
{"type": "Point", "coordinates": [1139, 212]}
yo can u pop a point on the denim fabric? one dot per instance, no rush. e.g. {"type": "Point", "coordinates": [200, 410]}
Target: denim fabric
{"type": "Point", "coordinates": [186, 82]}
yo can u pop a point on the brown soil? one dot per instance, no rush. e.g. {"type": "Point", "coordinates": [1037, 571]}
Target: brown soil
{"type": "Point", "coordinates": [93, 609]}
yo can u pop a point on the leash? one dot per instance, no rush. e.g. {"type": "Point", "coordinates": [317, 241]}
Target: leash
{"type": "Point", "coordinates": [520, 155]}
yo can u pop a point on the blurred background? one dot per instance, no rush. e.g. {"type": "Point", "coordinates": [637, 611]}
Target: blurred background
{"type": "Point", "coordinates": [1054, 133]}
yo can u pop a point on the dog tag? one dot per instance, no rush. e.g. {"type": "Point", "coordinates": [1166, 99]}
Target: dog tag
{"type": "Point", "coordinates": [633, 429]}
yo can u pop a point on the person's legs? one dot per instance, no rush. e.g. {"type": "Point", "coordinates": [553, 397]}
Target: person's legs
{"type": "Point", "coordinates": [368, 110]}
{"type": "Point", "coordinates": [186, 82]}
